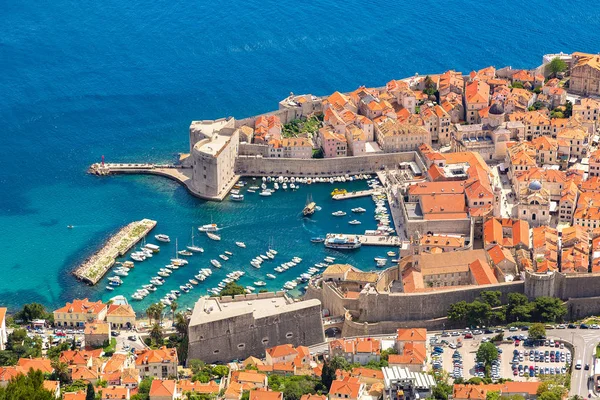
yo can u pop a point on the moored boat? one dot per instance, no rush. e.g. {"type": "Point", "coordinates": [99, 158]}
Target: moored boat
{"type": "Point", "coordinates": [338, 213]}
{"type": "Point", "coordinates": [240, 244]}
{"type": "Point", "coordinates": [213, 236]}
{"type": "Point", "coordinates": [342, 242]}
{"type": "Point", "coordinates": [317, 239]}
{"type": "Point", "coordinates": [161, 237]}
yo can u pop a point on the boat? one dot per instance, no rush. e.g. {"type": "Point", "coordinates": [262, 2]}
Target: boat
{"type": "Point", "coordinates": [391, 254]}
{"type": "Point", "coordinates": [317, 239]}
{"type": "Point", "coordinates": [236, 197]}
{"type": "Point", "coordinates": [110, 288]}
{"type": "Point", "coordinates": [284, 186]}
{"type": "Point", "coordinates": [270, 255]}
{"type": "Point", "coordinates": [378, 259]}
{"type": "Point", "coordinates": [223, 257]}
{"type": "Point", "coordinates": [137, 257]}
{"type": "Point", "coordinates": [359, 210]}
{"type": "Point", "coordinates": [342, 242]}
{"type": "Point", "coordinates": [292, 186]}
{"type": "Point", "coordinates": [309, 207]}
{"type": "Point", "coordinates": [208, 228]}
{"type": "Point", "coordinates": [185, 253]}
{"type": "Point", "coordinates": [271, 276]}
{"type": "Point", "coordinates": [251, 191]}
{"type": "Point", "coordinates": [354, 222]}
{"type": "Point", "coordinates": [251, 288]}
{"type": "Point", "coordinates": [338, 213]}
{"type": "Point", "coordinates": [213, 236]}
{"type": "Point", "coordinates": [276, 186]}
{"type": "Point", "coordinates": [254, 187]}
{"type": "Point", "coordinates": [240, 244]}
{"type": "Point", "coordinates": [152, 247]}
{"type": "Point", "coordinates": [193, 247]}
{"type": "Point", "coordinates": [161, 237]}
{"type": "Point", "coordinates": [337, 191]}
{"type": "Point", "coordinates": [121, 272]}
{"type": "Point", "coordinates": [265, 193]}
{"type": "Point", "coordinates": [264, 257]}
{"type": "Point", "coordinates": [228, 253]}
{"type": "Point", "coordinates": [260, 283]}
{"type": "Point", "coordinates": [215, 263]}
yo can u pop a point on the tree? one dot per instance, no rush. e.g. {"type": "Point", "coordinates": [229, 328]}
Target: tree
{"type": "Point", "coordinates": [568, 109]}
{"type": "Point", "coordinates": [458, 312]}
{"type": "Point", "coordinates": [220, 370]}
{"type": "Point", "coordinates": [491, 297]}
{"type": "Point", "coordinates": [518, 307]}
{"type": "Point", "coordinates": [327, 375]}
{"type": "Point", "coordinates": [430, 87]}
{"type": "Point", "coordinates": [30, 387]}
{"type": "Point", "coordinates": [517, 85]}
{"type": "Point", "coordinates": [537, 331]}
{"type": "Point", "coordinates": [61, 372]}
{"type": "Point", "coordinates": [318, 153]}
{"type": "Point", "coordinates": [548, 309]}
{"type": "Point", "coordinates": [556, 66]}
{"type": "Point", "coordinates": [156, 334]}
{"type": "Point", "coordinates": [492, 395]}
{"type": "Point", "coordinates": [173, 309]}
{"type": "Point", "coordinates": [32, 311]}
{"type": "Point", "coordinates": [232, 289]}
{"type": "Point", "coordinates": [442, 390]}
{"type": "Point", "coordinates": [90, 393]}
{"type": "Point", "coordinates": [478, 313]}
{"type": "Point", "coordinates": [181, 324]}
{"type": "Point", "coordinates": [487, 353]}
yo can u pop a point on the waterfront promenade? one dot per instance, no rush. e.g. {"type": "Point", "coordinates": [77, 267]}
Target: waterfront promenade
{"type": "Point", "coordinates": [95, 267]}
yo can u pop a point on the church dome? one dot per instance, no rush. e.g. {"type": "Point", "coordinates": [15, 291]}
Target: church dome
{"type": "Point", "coordinates": [535, 185]}
{"type": "Point", "coordinates": [496, 109]}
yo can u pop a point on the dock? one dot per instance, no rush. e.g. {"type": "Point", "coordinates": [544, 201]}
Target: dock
{"type": "Point", "coordinates": [96, 266]}
{"type": "Point", "coordinates": [353, 195]}
{"type": "Point", "coordinates": [375, 240]}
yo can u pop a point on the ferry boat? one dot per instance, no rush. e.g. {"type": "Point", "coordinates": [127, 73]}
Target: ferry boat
{"type": "Point", "coordinates": [209, 228]}
{"type": "Point", "coordinates": [338, 213]}
{"type": "Point", "coordinates": [240, 244]}
{"type": "Point", "coordinates": [237, 197]}
{"type": "Point", "coordinates": [213, 236]}
{"type": "Point", "coordinates": [162, 238]}
{"type": "Point", "coordinates": [342, 242]}
{"type": "Point", "coordinates": [337, 191]}
{"type": "Point", "coordinates": [354, 222]}
{"type": "Point", "coordinates": [317, 239]}
{"type": "Point", "coordinates": [359, 210]}
{"type": "Point", "coordinates": [309, 208]}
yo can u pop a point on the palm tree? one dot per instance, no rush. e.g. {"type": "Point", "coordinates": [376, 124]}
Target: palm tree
{"type": "Point", "coordinates": [150, 313]}
{"type": "Point", "coordinates": [61, 371]}
{"type": "Point", "coordinates": [173, 309]}
{"type": "Point", "coordinates": [156, 333]}
{"type": "Point", "coordinates": [181, 324]}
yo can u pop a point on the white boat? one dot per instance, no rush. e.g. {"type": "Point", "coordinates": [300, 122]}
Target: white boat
{"type": "Point", "coordinates": [274, 252]}
{"type": "Point", "coordinates": [213, 236]}
{"type": "Point", "coordinates": [276, 186]}
{"type": "Point", "coordinates": [163, 274]}
{"type": "Point", "coordinates": [251, 191]}
{"type": "Point", "coordinates": [161, 237]}
{"type": "Point", "coordinates": [380, 259]}
{"type": "Point", "coordinates": [338, 213]}
{"type": "Point", "coordinates": [215, 263]}
{"type": "Point", "coordinates": [185, 253]}
{"type": "Point", "coordinates": [359, 210]}
{"type": "Point", "coordinates": [138, 257]}
{"type": "Point", "coordinates": [228, 253]}
{"type": "Point", "coordinates": [264, 257]}
{"type": "Point", "coordinates": [209, 228]}
{"type": "Point", "coordinates": [391, 254]}
{"type": "Point", "coordinates": [237, 197]}
{"type": "Point", "coordinates": [223, 257]}
{"type": "Point", "coordinates": [240, 244]}
{"type": "Point", "coordinates": [152, 247]}
{"type": "Point", "coordinates": [120, 272]}
{"type": "Point", "coordinates": [271, 276]}
{"type": "Point", "coordinates": [265, 193]}
{"type": "Point", "coordinates": [271, 256]}
{"type": "Point", "coordinates": [260, 283]}
{"type": "Point", "coordinates": [110, 288]}
{"type": "Point", "coordinates": [284, 186]}
{"type": "Point", "coordinates": [354, 222]}
{"type": "Point", "coordinates": [342, 242]}
{"type": "Point", "coordinates": [251, 288]}
{"type": "Point", "coordinates": [193, 247]}
{"type": "Point", "coordinates": [255, 264]}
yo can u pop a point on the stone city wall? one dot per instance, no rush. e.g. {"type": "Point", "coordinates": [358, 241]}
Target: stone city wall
{"type": "Point", "coordinates": [352, 328]}
{"type": "Point", "coordinates": [256, 166]}
{"type": "Point", "coordinates": [248, 149]}
{"type": "Point", "coordinates": [580, 308]}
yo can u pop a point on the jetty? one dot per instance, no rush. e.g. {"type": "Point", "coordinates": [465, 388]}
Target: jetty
{"type": "Point", "coordinates": [96, 266]}
{"type": "Point", "coordinates": [353, 195]}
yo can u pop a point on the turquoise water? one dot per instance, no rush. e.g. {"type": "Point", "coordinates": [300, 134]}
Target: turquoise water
{"type": "Point", "coordinates": [79, 80]}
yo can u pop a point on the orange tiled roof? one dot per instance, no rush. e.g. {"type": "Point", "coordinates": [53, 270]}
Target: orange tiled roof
{"type": "Point", "coordinates": [42, 364]}
{"type": "Point", "coordinates": [411, 334]}
{"type": "Point", "coordinates": [482, 273]}
{"type": "Point", "coordinates": [120, 310]}
{"type": "Point", "coordinates": [115, 392]}
{"type": "Point", "coordinates": [282, 351]}
{"type": "Point", "coordinates": [345, 389]}
{"type": "Point", "coordinates": [82, 306]}
{"type": "Point", "coordinates": [165, 388]}
{"type": "Point", "coordinates": [74, 396]}
{"type": "Point", "coordinates": [265, 395]}
{"type": "Point", "coordinates": [156, 356]}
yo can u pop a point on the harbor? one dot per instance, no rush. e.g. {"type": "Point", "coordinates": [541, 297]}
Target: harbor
{"type": "Point", "coordinates": [93, 269]}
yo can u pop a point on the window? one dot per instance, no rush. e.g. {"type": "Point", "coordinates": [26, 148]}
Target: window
{"type": "Point", "coordinates": [289, 335]}
{"type": "Point", "coordinates": [241, 346]}
{"type": "Point", "coordinates": [216, 352]}
{"type": "Point", "coordinates": [265, 341]}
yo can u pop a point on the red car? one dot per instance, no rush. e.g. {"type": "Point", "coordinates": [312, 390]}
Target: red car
{"type": "Point", "coordinates": [60, 334]}
{"type": "Point", "coordinates": [468, 336]}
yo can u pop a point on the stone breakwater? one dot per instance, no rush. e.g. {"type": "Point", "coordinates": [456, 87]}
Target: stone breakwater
{"type": "Point", "coordinates": [96, 266]}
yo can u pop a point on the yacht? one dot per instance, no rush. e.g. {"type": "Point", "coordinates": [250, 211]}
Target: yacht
{"type": "Point", "coordinates": [138, 257]}
{"type": "Point", "coordinates": [359, 210]}
{"type": "Point", "coordinates": [152, 247]}
{"type": "Point", "coordinates": [240, 244]}
{"type": "Point", "coordinates": [163, 274]}
{"type": "Point", "coordinates": [209, 228]}
{"type": "Point", "coordinates": [223, 257]}
{"type": "Point", "coordinates": [193, 247]}
{"type": "Point", "coordinates": [338, 213]}
{"type": "Point", "coordinates": [186, 253]}
{"type": "Point", "coordinates": [271, 276]}
{"type": "Point", "coordinates": [276, 186]}
{"type": "Point", "coordinates": [342, 242]}
{"type": "Point", "coordinates": [354, 222]}
{"type": "Point", "coordinates": [161, 237]}
{"type": "Point", "coordinates": [317, 239]}
{"type": "Point", "coordinates": [213, 236]}
{"type": "Point", "coordinates": [215, 263]}
{"type": "Point", "coordinates": [237, 197]}
{"type": "Point", "coordinates": [260, 283]}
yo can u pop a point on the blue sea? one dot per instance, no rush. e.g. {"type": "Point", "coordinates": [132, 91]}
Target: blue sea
{"type": "Point", "coordinates": [79, 80]}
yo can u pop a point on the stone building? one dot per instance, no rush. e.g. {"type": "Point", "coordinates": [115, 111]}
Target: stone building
{"type": "Point", "coordinates": [393, 136]}
{"type": "Point", "coordinates": [160, 363]}
{"type": "Point", "coordinates": [79, 312]}
{"type": "Point", "coordinates": [534, 204]}
{"type": "Point", "coordinates": [226, 329]}
{"type": "Point", "coordinates": [585, 74]}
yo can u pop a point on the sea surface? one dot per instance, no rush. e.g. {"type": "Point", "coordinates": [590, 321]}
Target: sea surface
{"type": "Point", "coordinates": [79, 80]}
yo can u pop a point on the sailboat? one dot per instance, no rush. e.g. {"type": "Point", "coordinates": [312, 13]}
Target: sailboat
{"type": "Point", "coordinates": [194, 248]}
{"type": "Point", "coordinates": [176, 260]}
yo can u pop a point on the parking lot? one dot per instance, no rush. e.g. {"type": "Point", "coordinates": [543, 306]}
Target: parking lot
{"type": "Point", "coordinates": [518, 358]}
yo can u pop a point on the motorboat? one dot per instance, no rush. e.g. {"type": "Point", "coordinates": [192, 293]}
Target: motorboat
{"type": "Point", "coordinates": [254, 187]}
{"type": "Point", "coordinates": [184, 289]}
{"type": "Point", "coordinates": [271, 276]}
{"type": "Point", "coordinates": [297, 260]}
{"type": "Point", "coordinates": [186, 253]}
{"type": "Point", "coordinates": [208, 228]}
{"type": "Point", "coordinates": [179, 262]}
{"type": "Point", "coordinates": [317, 239]}
{"type": "Point", "coordinates": [338, 213]}
{"type": "Point", "coordinates": [377, 259]}
{"type": "Point", "coordinates": [358, 210]}
{"type": "Point", "coordinates": [213, 236]}
{"type": "Point", "coordinates": [274, 252]}
{"type": "Point", "coordinates": [228, 253]}
{"type": "Point", "coordinates": [391, 254]}
{"type": "Point", "coordinates": [223, 257]}
{"type": "Point", "coordinates": [236, 197]}
{"type": "Point", "coordinates": [161, 237]}
{"type": "Point", "coordinates": [137, 257]}
{"type": "Point", "coordinates": [271, 256]}
{"type": "Point", "coordinates": [264, 257]}
{"type": "Point", "coordinates": [251, 191]}
{"type": "Point", "coordinates": [152, 247]}
{"type": "Point", "coordinates": [260, 283]}
{"type": "Point", "coordinates": [163, 274]}
{"type": "Point", "coordinates": [189, 286]}
{"type": "Point", "coordinates": [276, 186]}
{"type": "Point", "coordinates": [255, 264]}
{"type": "Point", "coordinates": [240, 244]}
{"type": "Point", "coordinates": [264, 193]}
{"type": "Point", "coordinates": [110, 288]}
{"type": "Point", "coordinates": [354, 222]}
{"type": "Point", "coordinates": [215, 263]}
{"type": "Point", "coordinates": [251, 288]}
